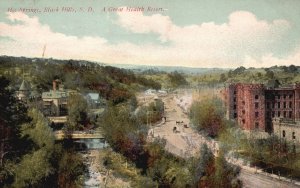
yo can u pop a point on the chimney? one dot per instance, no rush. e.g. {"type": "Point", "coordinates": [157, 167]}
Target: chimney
{"type": "Point", "coordinates": [60, 87]}
{"type": "Point", "coordinates": [54, 85]}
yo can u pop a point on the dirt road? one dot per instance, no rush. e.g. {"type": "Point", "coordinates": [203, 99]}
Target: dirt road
{"type": "Point", "coordinates": [186, 142]}
{"type": "Point", "coordinates": [180, 138]}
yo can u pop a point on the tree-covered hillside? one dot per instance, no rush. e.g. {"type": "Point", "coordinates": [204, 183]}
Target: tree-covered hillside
{"type": "Point", "coordinates": [112, 83]}
{"type": "Point", "coordinates": [284, 74]}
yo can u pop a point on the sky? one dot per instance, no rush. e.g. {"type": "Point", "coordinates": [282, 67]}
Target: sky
{"type": "Point", "coordinates": [192, 33]}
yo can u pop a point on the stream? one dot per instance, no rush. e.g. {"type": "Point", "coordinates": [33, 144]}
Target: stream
{"type": "Point", "coordinates": [89, 148]}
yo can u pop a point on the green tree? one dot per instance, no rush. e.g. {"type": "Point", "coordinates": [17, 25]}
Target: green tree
{"type": "Point", "coordinates": [269, 74]}
{"type": "Point", "coordinates": [47, 164]}
{"type": "Point", "coordinates": [239, 70]}
{"type": "Point", "coordinates": [225, 173]}
{"type": "Point", "coordinates": [223, 77]}
{"type": "Point", "coordinates": [204, 171]}
{"type": "Point", "coordinates": [212, 171]}
{"type": "Point", "coordinates": [77, 112]}
{"type": "Point", "coordinates": [124, 134]}
{"type": "Point", "coordinates": [133, 103]}
{"type": "Point", "coordinates": [35, 166]}
{"type": "Point", "coordinates": [292, 69]}
{"type": "Point", "coordinates": [155, 151]}
{"type": "Point", "coordinates": [178, 175]}
{"type": "Point", "coordinates": [155, 111]}
{"type": "Point", "coordinates": [72, 80]}
{"type": "Point", "coordinates": [208, 116]}
{"type": "Point", "coordinates": [233, 138]}
{"type": "Point", "coordinates": [71, 170]}
{"type": "Point", "coordinates": [177, 79]}
{"type": "Point", "coordinates": [259, 75]}
{"type": "Point", "coordinates": [169, 171]}
{"type": "Point", "coordinates": [230, 73]}
{"type": "Point", "coordinates": [38, 130]}
{"type": "Point", "coordinates": [33, 169]}
{"type": "Point", "coordinates": [13, 114]}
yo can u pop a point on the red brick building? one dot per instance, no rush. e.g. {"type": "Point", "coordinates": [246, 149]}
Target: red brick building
{"type": "Point", "coordinates": [254, 106]}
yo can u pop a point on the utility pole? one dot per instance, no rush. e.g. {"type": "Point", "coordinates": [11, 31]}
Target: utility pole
{"type": "Point", "coordinates": [149, 124]}
{"type": "Point", "coordinates": [44, 49]}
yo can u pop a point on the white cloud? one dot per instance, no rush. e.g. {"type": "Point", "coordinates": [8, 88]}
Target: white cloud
{"type": "Point", "coordinates": [29, 37]}
{"type": "Point", "coordinates": [243, 35]}
{"type": "Point", "coordinates": [241, 41]}
{"type": "Point", "coordinates": [269, 60]}
{"type": "Point", "coordinates": [138, 23]}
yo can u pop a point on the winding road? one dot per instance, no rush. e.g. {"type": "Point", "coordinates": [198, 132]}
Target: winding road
{"type": "Point", "coordinates": [187, 142]}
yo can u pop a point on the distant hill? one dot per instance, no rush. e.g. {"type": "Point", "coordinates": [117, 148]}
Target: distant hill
{"type": "Point", "coordinates": [135, 68]}
{"type": "Point", "coordinates": [169, 69]}
{"type": "Point", "coordinates": [284, 74]}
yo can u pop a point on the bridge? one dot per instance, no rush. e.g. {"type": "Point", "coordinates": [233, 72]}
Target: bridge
{"type": "Point", "coordinates": [58, 119]}
{"type": "Point", "coordinates": [59, 135]}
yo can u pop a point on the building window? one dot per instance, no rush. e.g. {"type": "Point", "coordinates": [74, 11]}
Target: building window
{"type": "Point", "coordinates": [273, 114]}
{"type": "Point", "coordinates": [235, 115]}
{"type": "Point", "coordinates": [234, 99]}
{"type": "Point", "coordinates": [243, 111]}
{"type": "Point", "coordinates": [290, 114]}
{"type": "Point", "coordinates": [278, 105]}
{"type": "Point", "coordinates": [284, 96]}
{"type": "Point", "coordinates": [284, 114]}
{"type": "Point", "coordinates": [234, 107]}
{"type": "Point", "coordinates": [256, 125]}
{"type": "Point", "coordinates": [293, 135]}
{"type": "Point", "coordinates": [256, 96]}
{"type": "Point", "coordinates": [278, 114]}
{"type": "Point", "coordinates": [243, 102]}
{"type": "Point", "coordinates": [284, 104]}
{"type": "Point", "coordinates": [283, 133]}
{"type": "Point", "coordinates": [256, 105]}
{"type": "Point", "coordinates": [234, 92]}
{"type": "Point", "coordinates": [256, 114]}
{"type": "Point", "coordinates": [268, 105]}
{"type": "Point", "coordinates": [290, 96]}
{"type": "Point", "coordinates": [278, 96]}
{"type": "Point", "coordinates": [243, 121]}
{"type": "Point", "coordinates": [290, 104]}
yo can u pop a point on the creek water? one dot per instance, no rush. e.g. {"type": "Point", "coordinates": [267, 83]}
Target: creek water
{"type": "Point", "coordinates": [85, 148]}
{"type": "Point", "coordinates": [90, 144]}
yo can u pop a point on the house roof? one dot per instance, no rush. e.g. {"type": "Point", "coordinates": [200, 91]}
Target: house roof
{"type": "Point", "coordinates": [93, 96]}
{"type": "Point", "coordinates": [54, 94]}
{"type": "Point", "coordinates": [34, 93]}
{"type": "Point", "coordinates": [24, 86]}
